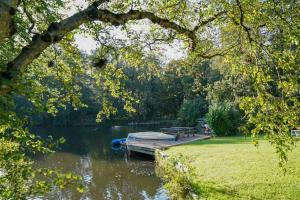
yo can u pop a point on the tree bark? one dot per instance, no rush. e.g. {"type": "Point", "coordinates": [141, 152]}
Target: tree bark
{"type": "Point", "coordinates": [7, 11]}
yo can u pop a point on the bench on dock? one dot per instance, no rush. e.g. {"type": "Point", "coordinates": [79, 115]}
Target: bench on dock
{"type": "Point", "coordinates": [180, 132]}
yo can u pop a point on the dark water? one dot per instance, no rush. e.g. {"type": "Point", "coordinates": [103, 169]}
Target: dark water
{"type": "Point", "coordinates": [107, 174]}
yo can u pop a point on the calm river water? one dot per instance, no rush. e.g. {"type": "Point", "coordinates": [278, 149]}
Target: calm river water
{"type": "Point", "coordinates": [107, 174]}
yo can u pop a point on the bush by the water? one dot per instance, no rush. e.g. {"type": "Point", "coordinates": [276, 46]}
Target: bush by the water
{"type": "Point", "coordinates": [177, 175]}
{"type": "Point", "coordinates": [223, 119]}
{"type": "Point", "coordinates": [191, 110]}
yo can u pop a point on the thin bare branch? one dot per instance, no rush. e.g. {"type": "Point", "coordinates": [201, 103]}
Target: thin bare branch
{"type": "Point", "coordinates": [29, 16]}
{"type": "Point", "coordinates": [242, 23]}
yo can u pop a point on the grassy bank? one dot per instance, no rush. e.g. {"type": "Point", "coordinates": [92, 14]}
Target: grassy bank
{"type": "Point", "coordinates": [233, 168]}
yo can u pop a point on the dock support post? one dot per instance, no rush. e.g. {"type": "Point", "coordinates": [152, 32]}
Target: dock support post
{"type": "Point", "coordinates": [128, 152]}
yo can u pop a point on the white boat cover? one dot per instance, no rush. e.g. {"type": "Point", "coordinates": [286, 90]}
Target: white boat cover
{"type": "Point", "coordinates": [150, 136]}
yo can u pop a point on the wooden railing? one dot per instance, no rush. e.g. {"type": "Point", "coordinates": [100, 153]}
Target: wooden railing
{"type": "Point", "coordinates": [295, 133]}
{"type": "Point", "coordinates": [180, 131]}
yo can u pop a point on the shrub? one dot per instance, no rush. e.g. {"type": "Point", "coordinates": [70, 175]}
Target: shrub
{"type": "Point", "coordinates": [235, 117]}
{"type": "Point", "coordinates": [223, 119]}
{"type": "Point", "coordinates": [190, 111]}
{"type": "Point", "coordinates": [177, 175]}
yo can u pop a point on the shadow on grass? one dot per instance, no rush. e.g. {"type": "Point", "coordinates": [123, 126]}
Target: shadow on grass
{"type": "Point", "coordinates": [210, 189]}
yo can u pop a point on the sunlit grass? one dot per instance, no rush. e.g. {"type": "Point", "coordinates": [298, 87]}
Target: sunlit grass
{"type": "Point", "coordinates": [233, 168]}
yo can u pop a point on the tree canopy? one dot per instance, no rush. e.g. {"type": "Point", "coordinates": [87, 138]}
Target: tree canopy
{"type": "Point", "coordinates": [254, 43]}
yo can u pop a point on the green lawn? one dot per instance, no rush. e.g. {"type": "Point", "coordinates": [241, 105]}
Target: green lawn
{"type": "Point", "coordinates": [233, 168]}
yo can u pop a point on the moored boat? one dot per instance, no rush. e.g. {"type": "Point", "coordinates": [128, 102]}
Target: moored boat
{"type": "Point", "coordinates": [119, 141]}
{"type": "Point", "coordinates": [150, 136]}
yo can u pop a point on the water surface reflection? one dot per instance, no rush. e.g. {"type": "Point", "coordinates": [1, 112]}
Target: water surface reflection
{"type": "Point", "coordinates": [107, 174]}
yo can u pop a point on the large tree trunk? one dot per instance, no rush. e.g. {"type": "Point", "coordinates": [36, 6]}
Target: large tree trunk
{"type": "Point", "coordinates": [7, 25]}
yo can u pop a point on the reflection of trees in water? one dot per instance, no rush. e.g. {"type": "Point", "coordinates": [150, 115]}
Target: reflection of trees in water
{"type": "Point", "coordinates": [118, 179]}
{"type": "Point", "coordinates": [61, 195]}
{"type": "Point", "coordinates": [84, 168]}
{"type": "Point", "coordinates": [108, 179]}
{"type": "Point", "coordinates": [160, 194]}
{"type": "Point", "coordinates": [107, 175]}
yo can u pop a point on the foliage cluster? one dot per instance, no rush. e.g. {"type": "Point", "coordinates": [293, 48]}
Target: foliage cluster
{"type": "Point", "coordinates": [211, 84]}
{"type": "Point", "coordinates": [223, 119]}
{"type": "Point", "coordinates": [190, 111]}
{"type": "Point", "coordinates": [18, 178]}
{"type": "Point", "coordinates": [177, 174]}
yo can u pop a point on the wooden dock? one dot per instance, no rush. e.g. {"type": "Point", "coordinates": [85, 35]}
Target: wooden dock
{"type": "Point", "coordinates": [150, 146]}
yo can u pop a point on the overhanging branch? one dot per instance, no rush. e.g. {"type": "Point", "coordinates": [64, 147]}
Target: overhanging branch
{"type": "Point", "coordinates": [56, 31]}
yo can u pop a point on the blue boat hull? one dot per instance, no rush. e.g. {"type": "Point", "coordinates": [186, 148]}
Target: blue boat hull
{"type": "Point", "coordinates": [116, 142]}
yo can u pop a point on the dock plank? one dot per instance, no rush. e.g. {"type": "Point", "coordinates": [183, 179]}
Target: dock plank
{"type": "Point", "coordinates": [150, 146]}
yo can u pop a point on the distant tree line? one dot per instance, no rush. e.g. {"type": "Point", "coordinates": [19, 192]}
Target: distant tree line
{"type": "Point", "coordinates": [175, 91]}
